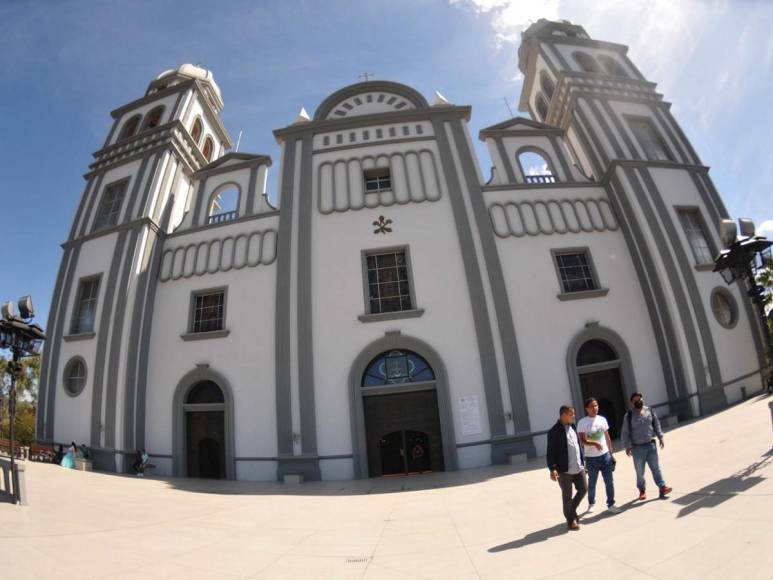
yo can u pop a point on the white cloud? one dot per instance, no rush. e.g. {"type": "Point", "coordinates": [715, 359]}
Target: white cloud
{"type": "Point", "coordinates": [766, 229]}
{"type": "Point", "coordinates": [685, 46]}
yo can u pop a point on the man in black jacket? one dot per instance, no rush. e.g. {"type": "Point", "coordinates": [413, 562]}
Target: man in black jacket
{"type": "Point", "coordinates": [565, 462]}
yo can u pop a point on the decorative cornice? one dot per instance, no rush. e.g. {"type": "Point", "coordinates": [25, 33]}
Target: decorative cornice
{"type": "Point", "coordinates": [173, 134]}
{"type": "Point", "coordinates": [144, 100]}
{"type": "Point", "coordinates": [450, 112]}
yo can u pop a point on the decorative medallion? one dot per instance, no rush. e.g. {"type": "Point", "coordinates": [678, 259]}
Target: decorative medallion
{"type": "Point", "coordinates": [382, 226]}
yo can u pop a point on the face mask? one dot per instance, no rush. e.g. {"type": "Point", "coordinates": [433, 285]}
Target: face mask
{"type": "Point", "coordinates": [639, 404]}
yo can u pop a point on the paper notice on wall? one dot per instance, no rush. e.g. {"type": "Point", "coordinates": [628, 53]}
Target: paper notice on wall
{"type": "Point", "coordinates": [470, 410]}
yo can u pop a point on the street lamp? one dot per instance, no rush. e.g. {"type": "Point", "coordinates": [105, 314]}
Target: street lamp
{"type": "Point", "coordinates": [23, 339]}
{"type": "Point", "coordinates": [744, 256]}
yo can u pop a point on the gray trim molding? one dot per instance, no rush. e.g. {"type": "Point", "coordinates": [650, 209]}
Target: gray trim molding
{"type": "Point", "coordinates": [483, 331]}
{"type": "Point", "coordinates": [505, 318]}
{"type": "Point", "coordinates": [385, 316]}
{"type": "Point", "coordinates": [100, 360]}
{"type": "Point", "coordinates": [249, 249]}
{"type": "Point", "coordinates": [408, 93]}
{"type": "Point", "coordinates": [727, 295]}
{"type": "Point", "coordinates": [551, 216]}
{"type": "Point", "coordinates": [597, 293]}
{"type": "Point", "coordinates": [65, 372]}
{"type": "Point", "coordinates": [350, 195]}
{"type": "Point", "coordinates": [188, 336]}
{"type": "Point", "coordinates": [79, 336]}
{"type": "Point", "coordinates": [392, 341]}
{"type": "Point", "coordinates": [284, 425]}
{"type": "Point", "coordinates": [55, 330]}
{"type": "Point", "coordinates": [306, 390]}
{"type": "Point", "coordinates": [179, 454]}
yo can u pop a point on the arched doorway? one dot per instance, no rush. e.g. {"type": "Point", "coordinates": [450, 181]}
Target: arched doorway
{"type": "Point", "coordinates": [402, 421]}
{"type": "Point", "coordinates": [203, 433]}
{"type": "Point", "coordinates": [599, 366]}
{"type": "Point", "coordinates": [401, 413]}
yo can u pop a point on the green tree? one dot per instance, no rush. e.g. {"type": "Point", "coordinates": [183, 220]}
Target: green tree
{"type": "Point", "coordinates": [27, 399]}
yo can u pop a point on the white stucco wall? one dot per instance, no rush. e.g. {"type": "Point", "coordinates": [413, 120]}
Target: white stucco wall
{"type": "Point", "coordinates": [72, 414]}
{"type": "Point", "coordinates": [545, 325]}
{"type": "Point", "coordinates": [440, 288]}
{"type": "Point", "coordinates": [245, 357]}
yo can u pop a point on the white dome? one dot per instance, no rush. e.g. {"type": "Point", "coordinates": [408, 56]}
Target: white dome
{"type": "Point", "coordinates": [194, 72]}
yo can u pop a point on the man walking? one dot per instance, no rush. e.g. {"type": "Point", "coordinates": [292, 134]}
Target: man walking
{"type": "Point", "coordinates": [594, 434]}
{"type": "Point", "coordinates": [565, 462]}
{"type": "Point", "coordinates": [640, 427]}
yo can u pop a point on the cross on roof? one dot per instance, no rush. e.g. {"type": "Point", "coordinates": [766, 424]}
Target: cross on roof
{"type": "Point", "coordinates": [367, 76]}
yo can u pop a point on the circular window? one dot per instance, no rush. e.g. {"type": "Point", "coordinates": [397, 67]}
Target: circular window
{"type": "Point", "coordinates": [75, 376]}
{"type": "Point", "coordinates": [724, 307]}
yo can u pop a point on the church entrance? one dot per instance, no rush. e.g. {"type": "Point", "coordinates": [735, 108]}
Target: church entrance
{"type": "Point", "coordinates": [598, 365]}
{"type": "Point", "coordinates": [402, 422]}
{"type": "Point", "coordinates": [204, 410]}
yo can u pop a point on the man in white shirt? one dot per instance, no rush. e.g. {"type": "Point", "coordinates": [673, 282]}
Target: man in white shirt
{"type": "Point", "coordinates": [594, 434]}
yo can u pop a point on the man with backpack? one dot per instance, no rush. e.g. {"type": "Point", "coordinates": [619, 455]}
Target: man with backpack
{"type": "Point", "coordinates": [640, 427]}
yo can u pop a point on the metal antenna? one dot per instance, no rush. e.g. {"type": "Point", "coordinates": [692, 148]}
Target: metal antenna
{"type": "Point", "coordinates": [367, 76]}
{"type": "Point", "coordinates": [239, 140]}
{"type": "Point", "coordinates": [508, 108]}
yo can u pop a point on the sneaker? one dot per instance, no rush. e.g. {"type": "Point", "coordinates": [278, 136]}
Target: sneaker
{"type": "Point", "coordinates": [664, 491]}
{"type": "Point", "coordinates": [642, 495]}
{"type": "Point", "coordinates": [613, 509]}
{"type": "Point", "coordinates": [591, 508]}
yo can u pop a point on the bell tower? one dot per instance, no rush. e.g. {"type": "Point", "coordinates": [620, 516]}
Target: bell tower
{"type": "Point", "coordinates": [138, 189]}
{"type": "Point", "coordinates": [622, 134]}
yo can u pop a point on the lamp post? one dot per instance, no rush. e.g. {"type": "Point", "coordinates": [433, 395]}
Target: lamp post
{"type": "Point", "coordinates": [744, 256]}
{"type": "Point", "coordinates": [23, 339]}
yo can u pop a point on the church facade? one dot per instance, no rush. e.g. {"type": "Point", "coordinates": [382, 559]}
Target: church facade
{"type": "Point", "coordinates": [395, 311]}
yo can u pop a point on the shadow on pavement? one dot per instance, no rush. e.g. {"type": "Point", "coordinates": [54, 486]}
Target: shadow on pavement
{"type": "Point", "coordinates": [722, 490]}
{"type": "Point", "coordinates": [532, 538]}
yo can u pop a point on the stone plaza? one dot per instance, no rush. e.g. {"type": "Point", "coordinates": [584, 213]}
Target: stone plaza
{"type": "Point", "coordinates": [492, 522]}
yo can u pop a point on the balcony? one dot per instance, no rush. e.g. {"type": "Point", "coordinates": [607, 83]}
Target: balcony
{"type": "Point", "coordinates": [220, 218]}
{"type": "Point", "coordinates": [540, 179]}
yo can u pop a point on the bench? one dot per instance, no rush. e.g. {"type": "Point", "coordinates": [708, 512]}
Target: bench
{"type": "Point", "coordinates": [42, 452]}
{"type": "Point", "coordinates": [5, 448]}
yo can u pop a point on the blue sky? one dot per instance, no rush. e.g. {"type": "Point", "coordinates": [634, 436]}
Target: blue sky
{"type": "Point", "coordinates": [66, 64]}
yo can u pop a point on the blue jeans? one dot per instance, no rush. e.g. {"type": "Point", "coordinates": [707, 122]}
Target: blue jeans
{"type": "Point", "coordinates": [603, 464]}
{"type": "Point", "coordinates": [647, 455]}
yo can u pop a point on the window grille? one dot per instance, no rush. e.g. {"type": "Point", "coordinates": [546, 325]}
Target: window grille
{"type": "Point", "coordinates": [389, 289]}
{"type": "Point", "coordinates": [208, 311]}
{"type": "Point", "coordinates": [377, 180]}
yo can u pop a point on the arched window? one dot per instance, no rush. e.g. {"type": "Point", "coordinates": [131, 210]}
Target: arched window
{"type": "Point", "coordinates": [542, 106]}
{"type": "Point", "coordinates": [153, 119]}
{"type": "Point", "coordinates": [535, 167]}
{"type": "Point", "coordinates": [594, 352]}
{"type": "Point", "coordinates": [547, 85]}
{"type": "Point", "coordinates": [196, 130]}
{"type": "Point", "coordinates": [224, 205]}
{"type": "Point", "coordinates": [208, 148]}
{"type": "Point", "coordinates": [397, 367]}
{"type": "Point", "coordinates": [586, 62]}
{"type": "Point", "coordinates": [612, 66]}
{"type": "Point", "coordinates": [130, 127]}
{"type": "Point", "coordinates": [75, 376]}
{"type": "Point", "coordinates": [204, 393]}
